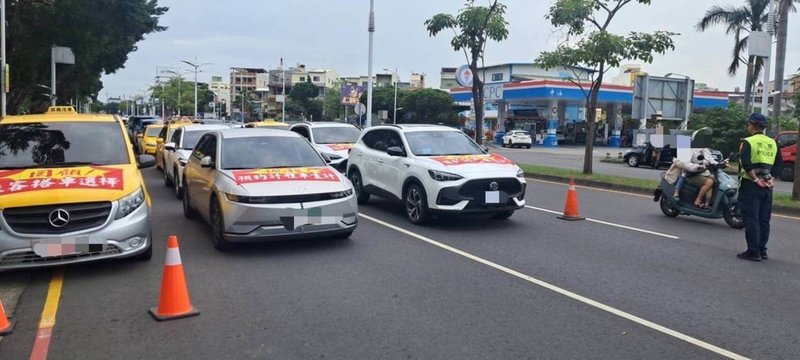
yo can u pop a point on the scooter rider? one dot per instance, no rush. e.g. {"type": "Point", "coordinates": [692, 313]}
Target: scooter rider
{"type": "Point", "coordinates": [759, 158]}
{"type": "Point", "coordinates": [703, 179]}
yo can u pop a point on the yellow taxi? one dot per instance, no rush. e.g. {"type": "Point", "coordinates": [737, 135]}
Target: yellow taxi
{"type": "Point", "coordinates": [269, 123]}
{"type": "Point", "coordinates": [148, 139]}
{"type": "Point", "coordinates": [164, 137]}
{"type": "Point", "coordinates": [70, 190]}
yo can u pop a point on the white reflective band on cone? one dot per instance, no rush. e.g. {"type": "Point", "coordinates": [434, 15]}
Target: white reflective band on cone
{"type": "Point", "coordinates": [173, 257]}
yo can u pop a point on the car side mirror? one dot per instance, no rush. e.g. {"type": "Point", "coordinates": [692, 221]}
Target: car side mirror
{"type": "Point", "coordinates": [207, 162]}
{"type": "Point", "coordinates": [159, 141]}
{"type": "Point", "coordinates": [326, 158]}
{"type": "Point", "coordinates": [145, 161]}
{"type": "Point", "coordinates": [170, 146]}
{"type": "Point", "coordinates": [485, 148]}
{"type": "Point", "coordinates": [395, 151]}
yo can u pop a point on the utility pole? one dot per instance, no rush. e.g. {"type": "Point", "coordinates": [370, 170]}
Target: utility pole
{"type": "Point", "coordinates": [371, 30]}
{"type": "Point", "coordinates": [283, 93]}
{"type": "Point", "coordinates": [195, 65]}
{"type": "Point", "coordinates": [770, 30]}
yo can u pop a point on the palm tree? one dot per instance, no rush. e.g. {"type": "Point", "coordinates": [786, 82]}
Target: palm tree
{"type": "Point", "coordinates": [740, 21]}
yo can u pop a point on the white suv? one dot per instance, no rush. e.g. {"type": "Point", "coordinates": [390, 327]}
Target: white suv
{"type": "Point", "coordinates": [434, 170]}
{"type": "Point", "coordinates": [515, 138]}
{"type": "Point", "coordinates": [332, 139]}
{"type": "Point", "coordinates": [178, 150]}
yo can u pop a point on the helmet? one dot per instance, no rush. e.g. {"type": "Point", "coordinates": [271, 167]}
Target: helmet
{"type": "Point", "coordinates": [758, 120]}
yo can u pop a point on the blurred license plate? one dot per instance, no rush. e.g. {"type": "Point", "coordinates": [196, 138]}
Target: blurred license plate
{"type": "Point", "coordinates": [492, 197]}
{"type": "Point", "coordinates": [313, 216]}
{"type": "Point", "coordinates": [67, 246]}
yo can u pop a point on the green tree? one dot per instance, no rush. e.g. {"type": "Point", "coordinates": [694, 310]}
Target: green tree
{"type": "Point", "coordinates": [383, 99]}
{"type": "Point", "coordinates": [178, 96]}
{"type": "Point", "coordinates": [101, 34]}
{"type": "Point", "coordinates": [728, 125]}
{"type": "Point", "coordinates": [740, 21]}
{"type": "Point", "coordinates": [429, 106]}
{"type": "Point", "coordinates": [333, 104]}
{"type": "Point", "coordinates": [473, 27]}
{"type": "Point", "coordinates": [597, 48]}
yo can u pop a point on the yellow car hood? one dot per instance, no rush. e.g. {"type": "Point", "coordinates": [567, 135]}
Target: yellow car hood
{"type": "Point", "coordinates": [45, 186]}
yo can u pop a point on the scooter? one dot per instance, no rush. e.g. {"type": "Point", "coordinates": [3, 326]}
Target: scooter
{"type": "Point", "coordinates": [724, 202]}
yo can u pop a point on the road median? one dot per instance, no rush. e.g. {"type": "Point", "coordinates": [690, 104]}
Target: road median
{"type": "Point", "coordinates": [783, 204]}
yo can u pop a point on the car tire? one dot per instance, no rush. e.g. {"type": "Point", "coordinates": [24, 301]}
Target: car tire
{"type": "Point", "coordinates": [358, 186]}
{"type": "Point", "coordinates": [188, 211]}
{"type": "Point", "coordinates": [147, 254]}
{"type": "Point", "coordinates": [177, 186]}
{"type": "Point", "coordinates": [787, 174]}
{"type": "Point", "coordinates": [502, 215]}
{"type": "Point", "coordinates": [416, 204]}
{"type": "Point", "coordinates": [503, 144]}
{"type": "Point", "coordinates": [167, 180]}
{"type": "Point", "coordinates": [218, 226]}
{"type": "Point", "coordinates": [632, 161]}
{"type": "Point", "coordinates": [527, 146]}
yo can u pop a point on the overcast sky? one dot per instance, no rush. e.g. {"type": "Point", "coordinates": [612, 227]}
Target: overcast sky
{"type": "Point", "coordinates": [332, 34]}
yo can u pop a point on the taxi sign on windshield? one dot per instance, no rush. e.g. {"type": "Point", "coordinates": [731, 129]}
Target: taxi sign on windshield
{"type": "Point", "coordinates": [285, 174]}
{"type": "Point", "coordinates": [90, 177]}
{"type": "Point", "coordinates": [454, 160]}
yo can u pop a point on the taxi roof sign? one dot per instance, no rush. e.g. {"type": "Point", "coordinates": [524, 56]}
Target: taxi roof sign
{"type": "Point", "coordinates": [61, 110]}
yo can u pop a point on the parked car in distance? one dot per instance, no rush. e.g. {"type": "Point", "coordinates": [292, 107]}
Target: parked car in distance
{"type": "Point", "coordinates": [516, 138]}
{"type": "Point", "coordinates": [787, 141]}
{"type": "Point", "coordinates": [178, 150]}
{"type": "Point", "coordinates": [332, 139]}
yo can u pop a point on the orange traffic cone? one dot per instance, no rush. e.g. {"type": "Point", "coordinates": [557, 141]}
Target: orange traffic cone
{"type": "Point", "coordinates": [571, 208]}
{"type": "Point", "coordinates": [174, 300]}
{"type": "Point", "coordinates": [6, 326]}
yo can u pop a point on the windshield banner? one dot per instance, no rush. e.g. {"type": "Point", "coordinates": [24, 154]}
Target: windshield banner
{"type": "Point", "coordinates": [91, 177]}
{"type": "Point", "coordinates": [340, 147]}
{"type": "Point", "coordinates": [287, 174]}
{"type": "Point", "coordinates": [454, 160]}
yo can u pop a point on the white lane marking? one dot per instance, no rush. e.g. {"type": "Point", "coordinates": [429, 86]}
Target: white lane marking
{"type": "Point", "coordinates": [610, 224]}
{"type": "Point", "coordinates": [567, 293]}
{"type": "Point", "coordinates": [637, 195]}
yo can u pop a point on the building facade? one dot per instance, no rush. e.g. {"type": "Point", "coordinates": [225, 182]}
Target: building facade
{"type": "Point", "coordinates": [417, 81]}
{"type": "Point", "coordinates": [245, 90]}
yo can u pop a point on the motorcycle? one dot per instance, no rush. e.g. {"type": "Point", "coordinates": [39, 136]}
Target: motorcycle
{"type": "Point", "coordinates": [724, 202]}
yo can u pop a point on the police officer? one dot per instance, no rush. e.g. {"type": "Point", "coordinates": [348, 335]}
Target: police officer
{"type": "Point", "coordinates": [759, 159]}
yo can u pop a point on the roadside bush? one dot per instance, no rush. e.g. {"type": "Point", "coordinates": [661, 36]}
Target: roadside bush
{"type": "Point", "coordinates": [728, 125]}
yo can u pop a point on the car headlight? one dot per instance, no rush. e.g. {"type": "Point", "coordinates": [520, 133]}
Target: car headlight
{"type": "Point", "coordinates": [238, 198]}
{"type": "Point", "coordinates": [520, 173]}
{"type": "Point", "coordinates": [151, 144]}
{"type": "Point", "coordinates": [444, 176]}
{"type": "Point", "coordinates": [183, 162]}
{"type": "Point", "coordinates": [130, 203]}
{"type": "Point", "coordinates": [341, 194]}
{"type": "Point", "coordinates": [332, 156]}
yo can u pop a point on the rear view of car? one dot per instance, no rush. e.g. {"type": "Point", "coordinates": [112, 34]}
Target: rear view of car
{"type": "Point", "coordinates": [516, 138]}
{"type": "Point", "coordinates": [281, 189]}
{"type": "Point", "coordinates": [70, 191]}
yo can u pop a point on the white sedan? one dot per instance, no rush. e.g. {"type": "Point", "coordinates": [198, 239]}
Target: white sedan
{"type": "Point", "coordinates": [517, 138]}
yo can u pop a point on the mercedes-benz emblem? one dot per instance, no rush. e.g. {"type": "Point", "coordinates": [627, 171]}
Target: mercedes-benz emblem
{"type": "Point", "coordinates": [493, 186]}
{"type": "Point", "coordinates": [59, 218]}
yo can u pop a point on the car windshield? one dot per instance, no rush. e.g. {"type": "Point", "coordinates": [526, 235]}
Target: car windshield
{"type": "Point", "coordinates": [268, 152]}
{"type": "Point", "coordinates": [153, 131]}
{"type": "Point", "coordinates": [190, 139]}
{"type": "Point", "coordinates": [438, 143]}
{"type": "Point", "coordinates": [335, 135]}
{"type": "Point", "coordinates": [61, 143]}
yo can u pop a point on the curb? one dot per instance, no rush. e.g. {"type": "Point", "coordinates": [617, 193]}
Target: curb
{"type": "Point", "coordinates": [777, 209]}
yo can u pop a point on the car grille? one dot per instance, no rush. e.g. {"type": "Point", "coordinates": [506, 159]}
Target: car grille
{"type": "Point", "coordinates": [35, 219]}
{"type": "Point", "coordinates": [293, 199]}
{"type": "Point", "coordinates": [475, 189]}
{"type": "Point", "coordinates": [30, 258]}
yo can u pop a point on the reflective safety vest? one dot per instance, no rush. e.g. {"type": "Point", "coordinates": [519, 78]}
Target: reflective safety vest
{"type": "Point", "coordinates": [763, 151]}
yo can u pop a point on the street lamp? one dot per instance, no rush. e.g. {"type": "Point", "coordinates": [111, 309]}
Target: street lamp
{"type": "Point", "coordinates": [195, 66]}
{"type": "Point", "coordinates": [371, 30]}
{"type": "Point", "coordinates": [396, 80]}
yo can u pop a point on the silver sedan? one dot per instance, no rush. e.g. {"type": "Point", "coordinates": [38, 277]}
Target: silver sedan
{"type": "Point", "coordinates": [266, 184]}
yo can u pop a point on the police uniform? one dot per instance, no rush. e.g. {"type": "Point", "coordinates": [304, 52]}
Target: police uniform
{"type": "Point", "coordinates": [761, 154]}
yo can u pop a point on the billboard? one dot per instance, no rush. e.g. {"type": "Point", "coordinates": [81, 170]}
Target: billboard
{"type": "Point", "coordinates": [351, 94]}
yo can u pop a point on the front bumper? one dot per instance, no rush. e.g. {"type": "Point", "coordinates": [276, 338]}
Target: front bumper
{"type": "Point", "coordinates": [273, 222]}
{"type": "Point", "coordinates": [469, 197]}
{"type": "Point", "coordinates": [120, 238]}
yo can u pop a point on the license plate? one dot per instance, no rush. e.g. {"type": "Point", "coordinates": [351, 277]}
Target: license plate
{"type": "Point", "coordinates": [492, 197]}
{"type": "Point", "coordinates": [313, 216]}
{"type": "Point", "coordinates": [67, 246]}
